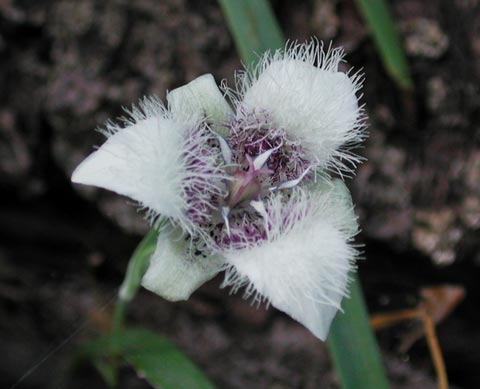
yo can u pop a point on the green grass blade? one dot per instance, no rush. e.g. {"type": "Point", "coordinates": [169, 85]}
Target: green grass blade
{"type": "Point", "coordinates": [154, 358]}
{"type": "Point", "coordinates": [352, 328]}
{"type": "Point", "coordinates": [353, 346]}
{"type": "Point", "coordinates": [253, 26]}
{"type": "Point", "coordinates": [160, 362]}
{"type": "Point", "coordinates": [378, 17]}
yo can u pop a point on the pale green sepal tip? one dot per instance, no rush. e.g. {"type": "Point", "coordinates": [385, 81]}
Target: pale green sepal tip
{"type": "Point", "coordinates": [174, 276]}
{"type": "Point", "coordinates": [345, 198]}
{"type": "Point", "coordinates": [201, 97]}
{"type": "Point", "coordinates": [345, 207]}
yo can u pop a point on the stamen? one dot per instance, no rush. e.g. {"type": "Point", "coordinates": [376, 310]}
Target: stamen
{"type": "Point", "coordinates": [225, 211]}
{"type": "Point", "coordinates": [262, 159]}
{"type": "Point", "coordinates": [225, 150]}
{"type": "Point", "coordinates": [290, 183]}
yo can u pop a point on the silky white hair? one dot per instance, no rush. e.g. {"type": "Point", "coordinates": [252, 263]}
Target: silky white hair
{"type": "Point", "coordinates": [303, 91]}
{"type": "Point", "coordinates": [302, 267]}
{"type": "Point", "coordinates": [158, 160]}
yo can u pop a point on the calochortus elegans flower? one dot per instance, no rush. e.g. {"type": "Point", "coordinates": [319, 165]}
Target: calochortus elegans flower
{"type": "Point", "coordinates": [246, 186]}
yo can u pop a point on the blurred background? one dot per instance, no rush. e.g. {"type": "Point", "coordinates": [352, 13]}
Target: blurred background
{"type": "Point", "coordinates": [68, 65]}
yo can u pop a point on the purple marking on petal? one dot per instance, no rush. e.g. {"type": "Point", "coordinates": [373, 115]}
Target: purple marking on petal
{"type": "Point", "coordinates": [256, 156]}
{"type": "Point", "coordinates": [202, 160]}
{"type": "Point", "coordinates": [252, 134]}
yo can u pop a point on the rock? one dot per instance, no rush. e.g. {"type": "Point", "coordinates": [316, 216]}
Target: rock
{"type": "Point", "coordinates": [424, 38]}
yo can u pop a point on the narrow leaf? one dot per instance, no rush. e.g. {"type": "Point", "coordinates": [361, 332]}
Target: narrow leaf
{"type": "Point", "coordinates": [353, 346]}
{"type": "Point", "coordinates": [160, 362]}
{"type": "Point", "coordinates": [378, 17]}
{"type": "Point", "coordinates": [154, 358]}
{"type": "Point", "coordinates": [253, 26]}
{"type": "Point", "coordinates": [107, 370]}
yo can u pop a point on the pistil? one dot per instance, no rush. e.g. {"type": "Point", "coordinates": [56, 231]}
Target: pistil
{"type": "Point", "coordinates": [246, 184]}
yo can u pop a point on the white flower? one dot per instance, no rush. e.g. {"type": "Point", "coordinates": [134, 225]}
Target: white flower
{"type": "Point", "coordinates": [247, 190]}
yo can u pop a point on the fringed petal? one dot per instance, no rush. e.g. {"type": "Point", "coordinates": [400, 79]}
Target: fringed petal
{"type": "Point", "coordinates": [174, 273]}
{"type": "Point", "coordinates": [302, 91]}
{"type": "Point", "coordinates": [165, 164]}
{"type": "Point", "coordinates": [302, 268]}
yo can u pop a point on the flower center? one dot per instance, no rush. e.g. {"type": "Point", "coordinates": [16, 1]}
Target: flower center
{"type": "Point", "coordinates": [245, 184]}
{"type": "Point", "coordinates": [260, 160]}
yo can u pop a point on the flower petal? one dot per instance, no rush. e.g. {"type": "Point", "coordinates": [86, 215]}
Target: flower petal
{"type": "Point", "coordinates": [303, 92]}
{"type": "Point", "coordinates": [302, 268]}
{"type": "Point", "coordinates": [173, 273]}
{"type": "Point", "coordinates": [151, 161]}
{"type": "Point", "coordinates": [141, 162]}
{"type": "Point", "coordinates": [345, 207]}
{"type": "Point", "coordinates": [201, 97]}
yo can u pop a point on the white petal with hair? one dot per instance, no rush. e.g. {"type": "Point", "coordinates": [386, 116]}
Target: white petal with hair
{"type": "Point", "coordinates": [149, 161]}
{"type": "Point", "coordinates": [291, 245]}
{"type": "Point", "coordinates": [173, 273]}
{"type": "Point", "coordinates": [303, 91]}
{"type": "Point", "coordinates": [302, 268]}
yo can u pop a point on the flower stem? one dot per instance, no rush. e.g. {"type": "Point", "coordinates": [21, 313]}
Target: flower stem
{"type": "Point", "coordinates": [118, 319]}
{"type": "Point", "coordinates": [136, 269]}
